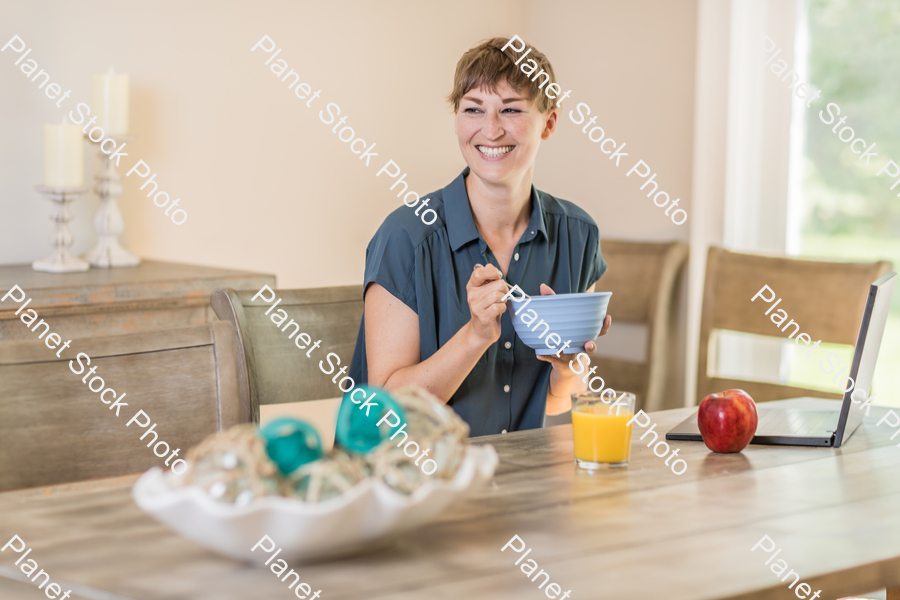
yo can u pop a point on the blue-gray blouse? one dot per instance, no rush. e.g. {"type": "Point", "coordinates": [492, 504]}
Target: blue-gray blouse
{"type": "Point", "coordinates": [427, 267]}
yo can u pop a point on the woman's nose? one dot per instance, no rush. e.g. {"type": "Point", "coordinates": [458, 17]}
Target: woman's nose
{"type": "Point", "coordinates": [492, 128]}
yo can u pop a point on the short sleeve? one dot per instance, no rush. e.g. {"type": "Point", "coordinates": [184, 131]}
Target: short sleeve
{"type": "Point", "coordinates": [596, 264]}
{"type": "Point", "coordinates": [390, 262]}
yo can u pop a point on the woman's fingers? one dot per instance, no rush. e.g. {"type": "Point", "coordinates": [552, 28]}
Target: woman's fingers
{"type": "Point", "coordinates": [546, 290]}
{"type": "Point", "coordinates": [485, 296]}
{"type": "Point", "coordinates": [558, 362]}
{"type": "Point", "coordinates": [485, 292]}
{"type": "Point", "coordinates": [486, 309]}
{"type": "Point", "coordinates": [606, 323]}
{"type": "Point", "coordinates": [483, 275]}
{"type": "Point", "coordinates": [590, 347]}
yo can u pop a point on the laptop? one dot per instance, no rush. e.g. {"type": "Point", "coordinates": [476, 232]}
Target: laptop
{"type": "Point", "coordinates": [814, 427]}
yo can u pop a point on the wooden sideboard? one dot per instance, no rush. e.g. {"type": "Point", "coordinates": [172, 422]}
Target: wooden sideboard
{"type": "Point", "coordinates": [155, 295]}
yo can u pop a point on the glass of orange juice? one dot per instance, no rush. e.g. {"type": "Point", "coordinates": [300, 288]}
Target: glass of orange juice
{"type": "Point", "coordinates": [600, 430]}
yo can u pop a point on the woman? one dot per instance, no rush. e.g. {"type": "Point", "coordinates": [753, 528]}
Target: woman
{"type": "Point", "coordinates": [435, 319]}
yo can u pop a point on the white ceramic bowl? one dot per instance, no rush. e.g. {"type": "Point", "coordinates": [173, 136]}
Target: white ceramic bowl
{"type": "Point", "coordinates": [573, 317]}
{"type": "Point", "coordinates": [367, 513]}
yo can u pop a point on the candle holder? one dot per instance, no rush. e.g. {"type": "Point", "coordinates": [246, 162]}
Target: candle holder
{"type": "Point", "coordinates": [61, 260]}
{"type": "Point", "coordinates": [108, 222]}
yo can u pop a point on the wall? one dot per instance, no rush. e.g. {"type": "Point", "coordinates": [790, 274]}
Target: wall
{"type": "Point", "coordinates": [269, 187]}
{"type": "Point", "coordinates": [633, 65]}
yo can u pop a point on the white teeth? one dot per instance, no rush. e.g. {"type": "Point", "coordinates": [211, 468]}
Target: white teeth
{"type": "Point", "coordinates": [494, 151]}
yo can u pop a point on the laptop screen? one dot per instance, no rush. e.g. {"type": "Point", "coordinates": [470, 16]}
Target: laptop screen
{"type": "Point", "coordinates": [868, 342]}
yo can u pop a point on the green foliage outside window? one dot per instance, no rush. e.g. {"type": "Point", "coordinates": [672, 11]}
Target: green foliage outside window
{"type": "Point", "coordinates": [853, 58]}
{"type": "Point", "coordinates": [849, 213]}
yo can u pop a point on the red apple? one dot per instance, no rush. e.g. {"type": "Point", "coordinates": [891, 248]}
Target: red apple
{"type": "Point", "coordinates": [727, 420]}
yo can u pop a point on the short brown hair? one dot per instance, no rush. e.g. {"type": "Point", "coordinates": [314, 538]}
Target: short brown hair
{"type": "Point", "coordinates": [487, 65]}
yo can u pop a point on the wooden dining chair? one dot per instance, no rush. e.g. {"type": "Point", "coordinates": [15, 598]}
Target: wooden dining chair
{"type": "Point", "coordinates": [641, 276]}
{"type": "Point", "coordinates": [272, 368]}
{"type": "Point", "coordinates": [826, 300]}
{"type": "Point", "coordinates": [55, 429]}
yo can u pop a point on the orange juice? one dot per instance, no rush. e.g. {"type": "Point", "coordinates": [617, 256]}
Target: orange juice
{"type": "Point", "coordinates": [601, 437]}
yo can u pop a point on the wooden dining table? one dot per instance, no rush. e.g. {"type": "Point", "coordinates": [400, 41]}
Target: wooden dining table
{"type": "Point", "coordinates": [636, 532]}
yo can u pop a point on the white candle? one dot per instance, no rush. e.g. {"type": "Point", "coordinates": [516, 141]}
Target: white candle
{"type": "Point", "coordinates": [63, 156]}
{"type": "Point", "coordinates": [109, 101]}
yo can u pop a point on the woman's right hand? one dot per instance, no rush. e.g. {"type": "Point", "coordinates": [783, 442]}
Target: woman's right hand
{"type": "Point", "coordinates": [485, 292]}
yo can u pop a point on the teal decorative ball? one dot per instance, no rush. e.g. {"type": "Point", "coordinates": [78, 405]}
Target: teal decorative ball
{"type": "Point", "coordinates": [291, 443]}
{"type": "Point", "coordinates": [359, 432]}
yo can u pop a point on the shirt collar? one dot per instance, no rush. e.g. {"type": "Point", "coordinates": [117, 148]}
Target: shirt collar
{"type": "Point", "coordinates": [461, 227]}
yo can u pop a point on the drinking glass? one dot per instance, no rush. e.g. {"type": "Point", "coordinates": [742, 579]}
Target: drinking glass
{"type": "Point", "coordinates": [599, 428]}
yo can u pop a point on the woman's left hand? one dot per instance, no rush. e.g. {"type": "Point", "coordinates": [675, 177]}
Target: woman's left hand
{"type": "Point", "coordinates": [561, 363]}
{"type": "Point", "coordinates": [563, 380]}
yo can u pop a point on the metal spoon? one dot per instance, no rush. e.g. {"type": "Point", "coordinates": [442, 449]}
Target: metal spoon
{"type": "Point", "coordinates": [508, 287]}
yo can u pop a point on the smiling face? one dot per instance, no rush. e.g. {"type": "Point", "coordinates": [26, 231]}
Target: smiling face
{"type": "Point", "coordinates": [499, 134]}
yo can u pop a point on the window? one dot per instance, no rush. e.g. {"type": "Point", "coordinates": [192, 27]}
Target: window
{"type": "Point", "coordinates": [840, 209]}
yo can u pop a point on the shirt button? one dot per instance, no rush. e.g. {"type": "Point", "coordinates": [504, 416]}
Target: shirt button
{"type": "Point", "coordinates": [505, 388]}
{"type": "Point", "coordinates": [508, 345]}
{"type": "Point", "coordinates": [504, 431]}
{"type": "Point", "coordinates": [516, 256]}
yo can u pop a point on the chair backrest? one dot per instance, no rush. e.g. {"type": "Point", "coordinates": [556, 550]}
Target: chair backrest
{"type": "Point", "coordinates": [642, 278]}
{"type": "Point", "coordinates": [55, 429]}
{"type": "Point", "coordinates": [826, 299]}
{"type": "Point", "coordinates": [273, 366]}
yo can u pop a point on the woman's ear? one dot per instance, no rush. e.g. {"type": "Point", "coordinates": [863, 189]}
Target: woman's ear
{"type": "Point", "coordinates": [550, 124]}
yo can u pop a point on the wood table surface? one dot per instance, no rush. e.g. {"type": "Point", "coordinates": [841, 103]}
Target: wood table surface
{"type": "Point", "coordinates": [641, 532]}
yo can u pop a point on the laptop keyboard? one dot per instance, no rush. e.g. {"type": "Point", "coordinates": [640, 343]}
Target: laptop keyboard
{"type": "Point", "coordinates": [798, 422]}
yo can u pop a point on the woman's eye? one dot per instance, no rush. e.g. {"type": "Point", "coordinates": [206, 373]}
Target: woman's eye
{"type": "Point", "coordinates": [474, 110]}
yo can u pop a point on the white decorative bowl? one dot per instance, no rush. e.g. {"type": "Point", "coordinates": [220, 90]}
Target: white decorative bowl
{"type": "Point", "coordinates": [367, 513]}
